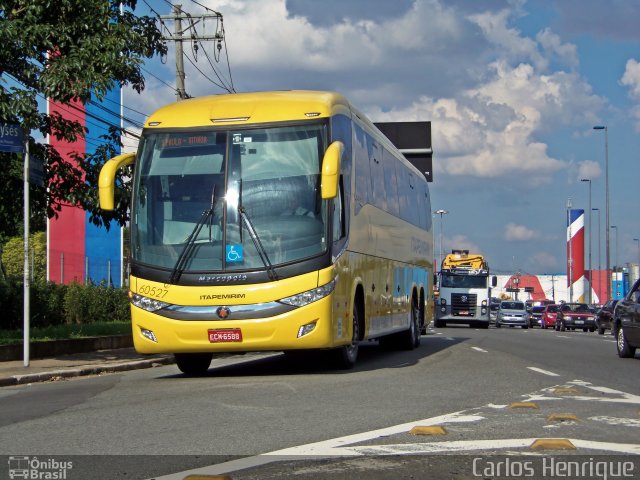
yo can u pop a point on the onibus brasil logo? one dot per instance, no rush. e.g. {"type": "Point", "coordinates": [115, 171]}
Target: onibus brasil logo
{"type": "Point", "coordinates": [36, 469]}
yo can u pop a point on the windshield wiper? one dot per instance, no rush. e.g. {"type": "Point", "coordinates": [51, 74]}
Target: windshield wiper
{"type": "Point", "coordinates": [189, 246]}
{"type": "Point", "coordinates": [258, 244]}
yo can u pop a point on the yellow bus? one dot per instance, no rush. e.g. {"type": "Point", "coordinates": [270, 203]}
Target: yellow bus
{"type": "Point", "coordinates": [273, 221]}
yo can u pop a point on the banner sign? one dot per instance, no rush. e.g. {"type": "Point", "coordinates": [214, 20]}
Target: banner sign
{"type": "Point", "coordinates": [11, 138]}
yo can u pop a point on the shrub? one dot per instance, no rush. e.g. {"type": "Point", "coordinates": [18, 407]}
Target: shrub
{"type": "Point", "coordinates": [55, 304]}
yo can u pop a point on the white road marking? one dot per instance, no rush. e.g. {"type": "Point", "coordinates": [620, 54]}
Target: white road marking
{"type": "Point", "coordinates": [464, 446]}
{"type": "Point", "coordinates": [478, 349]}
{"type": "Point", "coordinates": [544, 372]}
{"type": "Point", "coordinates": [627, 422]}
{"type": "Point", "coordinates": [345, 446]}
{"type": "Point", "coordinates": [334, 447]}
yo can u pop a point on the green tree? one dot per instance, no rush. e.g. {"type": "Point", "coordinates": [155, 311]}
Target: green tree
{"type": "Point", "coordinates": [13, 257]}
{"type": "Point", "coordinates": [67, 50]}
{"type": "Point", "coordinates": [11, 194]}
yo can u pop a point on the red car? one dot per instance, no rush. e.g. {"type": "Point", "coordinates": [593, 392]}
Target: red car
{"type": "Point", "coordinates": [549, 316]}
{"type": "Point", "coordinates": [575, 315]}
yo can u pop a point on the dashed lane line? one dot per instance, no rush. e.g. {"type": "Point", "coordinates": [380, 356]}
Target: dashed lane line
{"type": "Point", "coordinates": [478, 349]}
{"type": "Point", "coordinates": [544, 372]}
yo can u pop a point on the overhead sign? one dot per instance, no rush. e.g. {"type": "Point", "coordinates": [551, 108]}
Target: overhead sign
{"type": "Point", "coordinates": [413, 139]}
{"type": "Point", "coordinates": [11, 138]}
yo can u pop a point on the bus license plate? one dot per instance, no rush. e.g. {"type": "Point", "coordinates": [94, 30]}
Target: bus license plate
{"type": "Point", "coordinates": [225, 335]}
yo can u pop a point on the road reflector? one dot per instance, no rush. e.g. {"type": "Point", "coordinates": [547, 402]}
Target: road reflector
{"type": "Point", "coordinates": [560, 391]}
{"type": "Point", "coordinates": [562, 417]}
{"type": "Point", "coordinates": [435, 430]}
{"type": "Point", "coordinates": [524, 405]}
{"type": "Point", "coordinates": [552, 444]}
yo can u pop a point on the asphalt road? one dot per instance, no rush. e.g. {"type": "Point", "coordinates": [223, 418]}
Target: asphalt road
{"type": "Point", "coordinates": [262, 416]}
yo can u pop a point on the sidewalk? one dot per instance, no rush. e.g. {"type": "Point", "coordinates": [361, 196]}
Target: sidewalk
{"type": "Point", "coordinates": [74, 365]}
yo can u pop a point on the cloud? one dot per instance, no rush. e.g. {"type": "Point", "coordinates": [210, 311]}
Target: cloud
{"type": "Point", "coordinates": [566, 53]}
{"type": "Point", "coordinates": [631, 78]}
{"type": "Point", "coordinates": [490, 108]}
{"type": "Point", "coordinates": [589, 169]}
{"type": "Point", "coordinates": [459, 242]}
{"type": "Point", "coordinates": [543, 260]}
{"type": "Point", "coordinates": [517, 233]}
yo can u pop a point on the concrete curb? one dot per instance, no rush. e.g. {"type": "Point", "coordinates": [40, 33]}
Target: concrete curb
{"type": "Point", "coordinates": [52, 348]}
{"type": "Point", "coordinates": [85, 370]}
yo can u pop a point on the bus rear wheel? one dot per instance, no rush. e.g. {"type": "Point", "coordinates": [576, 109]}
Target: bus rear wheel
{"type": "Point", "coordinates": [193, 364]}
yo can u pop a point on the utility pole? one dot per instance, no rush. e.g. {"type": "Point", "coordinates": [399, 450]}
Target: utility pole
{"type": "Point", "coordinates": [570, 252]}
{"type": "Point", "coordinates": [188, 33]}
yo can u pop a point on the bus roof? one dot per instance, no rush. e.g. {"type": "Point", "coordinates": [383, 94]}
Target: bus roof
{"type": "Point", "coordinates": [249, 108]}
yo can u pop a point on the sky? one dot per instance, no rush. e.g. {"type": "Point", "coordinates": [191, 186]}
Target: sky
{"type": "Point", "coordinates": [513, 90]}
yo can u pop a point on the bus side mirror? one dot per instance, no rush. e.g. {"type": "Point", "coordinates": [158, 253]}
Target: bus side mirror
{"type": "Point", "coordinates": [107, 180]}
{"type": "Point", "coordinates": [331, 170]}
{"type": "Point", "coordinates": [494, 281]}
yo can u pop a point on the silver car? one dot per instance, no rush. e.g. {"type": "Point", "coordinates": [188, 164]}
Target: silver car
{"type": "Point", "coordinates": [512, 313]}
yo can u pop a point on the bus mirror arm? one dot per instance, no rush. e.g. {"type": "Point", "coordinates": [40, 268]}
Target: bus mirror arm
{"type": "Point", "coordinates": [107, 180]}
{"type": "Point", "coordinates": [331, 170]}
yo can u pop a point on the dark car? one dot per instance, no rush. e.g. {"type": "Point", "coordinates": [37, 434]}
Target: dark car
{"type": "Point", "coordinates": [575, 315]}
{"type": "Point", "coordinates": [535, 316]}
{"type": "Point", "coordinates": [626, 322]}
{"type": "Point", "coordinates": [604, 316]}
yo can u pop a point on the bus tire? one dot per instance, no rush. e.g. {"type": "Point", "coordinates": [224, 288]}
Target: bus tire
{"type": "Point", "coordinates": [410, 338]}
{"type": "Point", "coordinates": [193, 364]}
{"type": "Point", "coordinates": [345, 357]}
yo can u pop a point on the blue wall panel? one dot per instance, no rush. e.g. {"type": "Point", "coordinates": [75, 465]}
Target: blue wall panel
{"type": "Point", "coordinates": [103, 249]}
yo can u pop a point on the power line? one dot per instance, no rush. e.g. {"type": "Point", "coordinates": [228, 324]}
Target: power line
{"type": "Point", "coordinates": [219, 33]}
{"type": "Point", "coordinates": [159, 79]}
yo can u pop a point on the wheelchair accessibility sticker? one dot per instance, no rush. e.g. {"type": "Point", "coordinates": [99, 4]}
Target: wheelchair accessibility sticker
{"type": "Point", "coordinates": [234, 253]}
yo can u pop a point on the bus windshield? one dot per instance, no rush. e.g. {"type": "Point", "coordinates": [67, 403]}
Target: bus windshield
{"type": "Point", "coordinates": [190, 188]}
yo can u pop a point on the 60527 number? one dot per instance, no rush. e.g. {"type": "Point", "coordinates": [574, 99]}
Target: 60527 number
{"type": "Point", "coordinates": [154, 292]}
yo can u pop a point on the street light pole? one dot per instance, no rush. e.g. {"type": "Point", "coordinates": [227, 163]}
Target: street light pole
{"type": "Point", "coordinates": [441, 212]}
{"type": "Point", "coordinates": [599, 251]}
{"type": "Point", "coordinates": [615, 267]}
{"type": "Point", "coordinates": [590, 286]}
{"type": "Point", "coordinates": [606, 213]}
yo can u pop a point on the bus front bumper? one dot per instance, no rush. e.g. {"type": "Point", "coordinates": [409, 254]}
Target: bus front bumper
{"type": "Point", "coordinates": [307, 327]}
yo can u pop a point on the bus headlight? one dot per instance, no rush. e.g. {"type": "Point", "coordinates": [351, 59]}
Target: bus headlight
{"type": "Point", "coordinates": [146, 303]}
{"type": "Point", "coordinates": [443, 301]}
{"type": "Point", "coordinates": [310, 296]}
